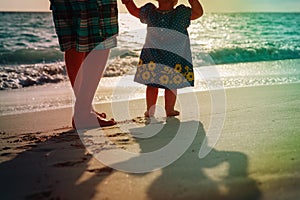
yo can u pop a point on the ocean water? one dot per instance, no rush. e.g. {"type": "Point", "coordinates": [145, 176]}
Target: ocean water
{"type": "Point", "coordinates": [29, 38]}
{"type": "Point", "coordinates": [28, 43]}
{"type": "Point", "coordinates": [245, 49]}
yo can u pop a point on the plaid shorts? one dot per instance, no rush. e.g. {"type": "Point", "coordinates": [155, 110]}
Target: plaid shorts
{"type": "Point", "coordinates": [85, 24]}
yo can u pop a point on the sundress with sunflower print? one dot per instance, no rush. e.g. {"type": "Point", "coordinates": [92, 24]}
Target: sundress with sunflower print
{"type": "Point", "coordinates": [165, 59]}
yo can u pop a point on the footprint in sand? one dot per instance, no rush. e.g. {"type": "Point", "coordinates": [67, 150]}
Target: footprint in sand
{"type": "Point", "coordinates": [101, 171]}
{"type": "Point", "coordinates": [70, 163]}
{"type": "Point", "coordinates": [5, 154]}
{"type": "Point", "coordinates": [5, 148]}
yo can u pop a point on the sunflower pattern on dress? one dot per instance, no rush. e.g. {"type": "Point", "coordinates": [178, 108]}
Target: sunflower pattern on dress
{"type": "Point", "coordinates": [165, 59]}
{"type": "Point", "coordinates": [164, 76]}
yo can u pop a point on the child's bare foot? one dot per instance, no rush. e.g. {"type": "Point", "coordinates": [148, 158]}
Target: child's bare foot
{"type": "Point", "coordinates": [172, 113]}
{"type": "Point", "coordinates": [148, 114]}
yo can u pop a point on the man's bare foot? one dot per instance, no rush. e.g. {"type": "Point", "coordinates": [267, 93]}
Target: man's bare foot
{"type": "Point", "coordinates": [105, 122]}
{"type": "Point", "coordinates": [94, 122]}
{"type": "Point", "coordinates": [172, 113]}
{"type": "Point", "coordinates": [101, 115]}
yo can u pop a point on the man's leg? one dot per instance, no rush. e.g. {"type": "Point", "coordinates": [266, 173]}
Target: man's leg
{"type": "Point", "coordinates": [73, 61]}
{"type": "Point", "coordinates": [85, 87]}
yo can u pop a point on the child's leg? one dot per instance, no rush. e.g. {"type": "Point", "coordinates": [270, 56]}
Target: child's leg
{"type": "Point", "coordinates": [170, 100]}
{"type": "Point", "coordinates": [151, 98]}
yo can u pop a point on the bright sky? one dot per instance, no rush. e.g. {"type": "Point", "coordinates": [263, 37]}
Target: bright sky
{"type": "Point", "coordinates": [209, 5]}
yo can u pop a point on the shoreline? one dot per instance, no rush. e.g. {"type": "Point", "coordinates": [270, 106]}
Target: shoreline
{"type": "Point", "coordinates": [64, 89]}
{"type": "Point", "coordinates": [59, 95]}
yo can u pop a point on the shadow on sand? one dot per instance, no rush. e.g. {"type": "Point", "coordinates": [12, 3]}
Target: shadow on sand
{"type": "Point", "coordinates": [220, 175]}
{"type": "Point", "coordinates": [50, 168]}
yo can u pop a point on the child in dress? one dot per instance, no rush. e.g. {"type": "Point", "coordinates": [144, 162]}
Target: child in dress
{"type": "Point", "coordinates": [165, 60]}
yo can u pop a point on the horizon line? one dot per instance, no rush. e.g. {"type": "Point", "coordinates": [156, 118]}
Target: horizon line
{"type": "Point", "coordinates": [224, 12]}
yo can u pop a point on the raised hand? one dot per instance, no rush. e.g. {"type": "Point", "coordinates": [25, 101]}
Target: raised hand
{"type": "Point", "coordinates": [126, 1]}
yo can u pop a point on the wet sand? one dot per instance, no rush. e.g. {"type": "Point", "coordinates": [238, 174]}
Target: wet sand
{"type": "Point", "coordinates": [256, 156]}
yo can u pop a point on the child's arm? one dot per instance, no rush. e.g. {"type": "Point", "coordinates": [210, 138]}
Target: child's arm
{"type": "Point", "coordinates": [131, 7]}
{"type": "Point", "coordinates": [197, 10]}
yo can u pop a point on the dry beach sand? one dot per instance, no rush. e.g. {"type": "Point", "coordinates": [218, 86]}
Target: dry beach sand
{"type": "Point", "coordinates": [256, 157]}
